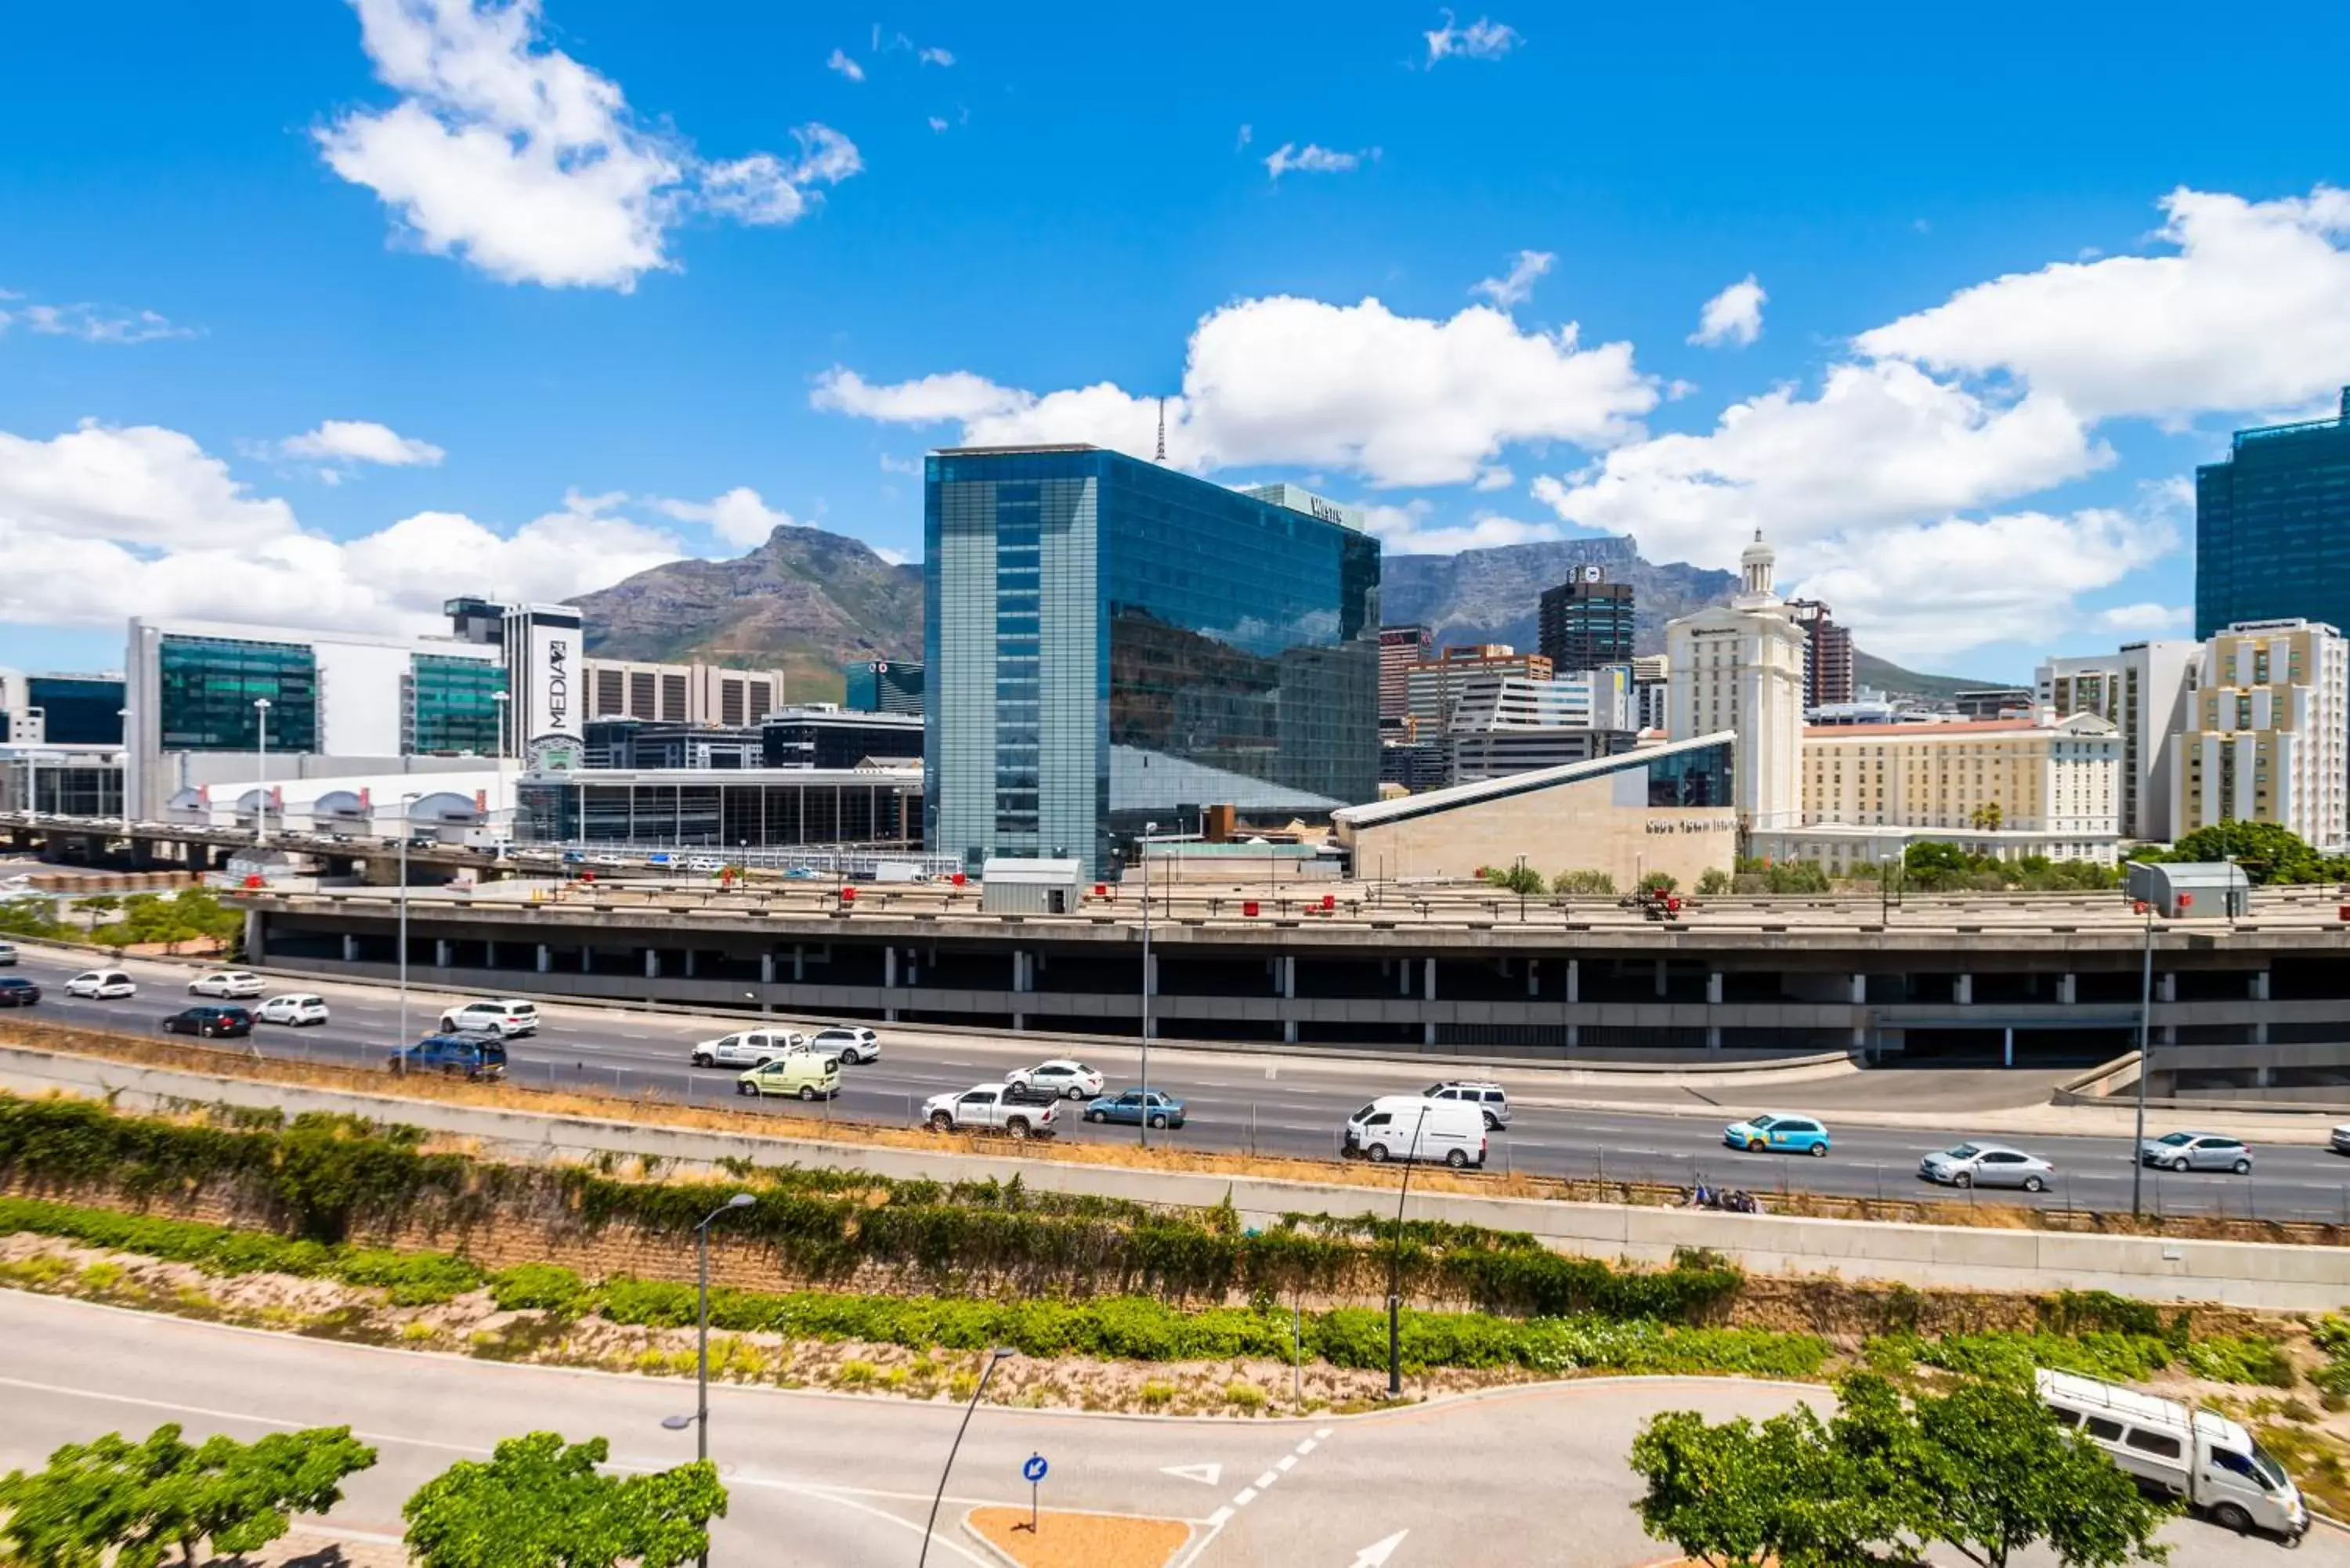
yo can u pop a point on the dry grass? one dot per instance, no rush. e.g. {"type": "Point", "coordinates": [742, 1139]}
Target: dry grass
{"type": "Point", "coordinates": [786, 1126]}
{"type": "Point", "coordinates": [1080, 1540]}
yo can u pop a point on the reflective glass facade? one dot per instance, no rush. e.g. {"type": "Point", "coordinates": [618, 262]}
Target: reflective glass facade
{"type": "Point", "coordinates": [2273, 526]}
{"type": "Point", "coordinates": [207, 686]}
{"type": "Point", "coordinates": [882, 686]}
{"type": "Point", "coordinates": [1109, 641]}
{"type": "Point", "coordinates": [451, 705]}
{"type": "Point", "coordinates": [77, 709]}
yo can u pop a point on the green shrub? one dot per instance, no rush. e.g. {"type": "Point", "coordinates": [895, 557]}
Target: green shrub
{"type": "Point", "coordinates": [540, 1287]}
{"type": "Point", "coordinates": [2231, 1360]}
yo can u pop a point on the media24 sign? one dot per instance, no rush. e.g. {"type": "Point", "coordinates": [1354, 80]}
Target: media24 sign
{"type": "Point", "coordinates": [553, 677]}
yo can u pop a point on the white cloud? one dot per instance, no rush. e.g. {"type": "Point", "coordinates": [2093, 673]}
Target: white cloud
{"type": "Point", "coordinates": [1480, 40]}
{"type": "Point", "coordinates": [1290, 159]}
{"type": "Point", "coordinates": [2148, 619]}
{"type": "Point", "coordinates": [362, 441]}
{"type": "Point", "coordinates": [1732, 316]}
{"type": "Point", "coordinates": [529, 164]}
{"type": "Point", "coordinates": [841, 62]}
{"type": "Point", "coordinates": [1496, 478]}
{"type": "Point", "coordinates": [2253, 309]}
{"type": "Point", "coordinates": [937, 123]}
{"type": "Point", "coordinates": [895, 558]}
{"type": "Point", "coordinates": [103, 523]}
{"type": "Point", "coordinates": [739, 516]}
{"type": "Point", "coordinates": [90, 323]}
{"type": "Point", "coordinates": [935, 56]}
{"type": "Point", "coordinates": [1405, 531]}
{"type": "Point", "coordinates": [1248, 134]}
{"type": "Point", "coordinates": [1517, 286]}
{"type": "Point", "coordinates": [910, 466]}
{"type": "Point", "coordinates": [1401, 400]}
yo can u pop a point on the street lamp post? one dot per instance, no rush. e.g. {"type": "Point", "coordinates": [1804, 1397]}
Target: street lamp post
{"type": "Point", "coordinates": [2145, 1058]}
{"type": "Point", "coordinates": [994, 1356]}
{"type": "Point", "coordinates": [407, 805]}
{"type": "Point", "coordinates": [1522, 889]}
{"type": "Point", "coordinates": [1143, 1125]}
{"type": "Point", "coordinates": [503, 700]}
{"type": "Point", "coordinates": [700, 1419]}
{"type": "Point", "coordinates": [124, 714]}
{"type": "Point", "coordinates": [261, 765]}
{"type": "Point", "coordinates": [1395, 1265]}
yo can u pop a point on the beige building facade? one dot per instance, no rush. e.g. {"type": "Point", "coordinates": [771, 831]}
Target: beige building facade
{"type": "Point", "coordinates": [679, 693]}
{"type": "Point", "coordinates": [2147, 689]}
{"type": "Point", "coordinates": [2004, 787]}
{"type": "Point", "coordinates": [2270, 736]}
{"type": "Point", "coordinates": [1661, 808]}
{"type": "Point", "coordinates": [1739, 667]}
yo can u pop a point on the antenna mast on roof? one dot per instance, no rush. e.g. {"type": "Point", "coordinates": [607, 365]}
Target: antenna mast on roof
{"type": "Point", "coordinates": [1162, 425]}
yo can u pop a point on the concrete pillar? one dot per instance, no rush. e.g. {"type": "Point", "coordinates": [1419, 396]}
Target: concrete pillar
{"type": "Point", "coordinates": [1403, 976]}
{"type": "Point", "coordinates": [889, 969]}
{"type": "Point", "coordinates": [1019, 970]}
{"type": "Point", "coordinates": [2007, 1042]}
{"type": "Point", "coordinates": [441, 953]}
{"type": "Point", "coordinates": [1964, 991]}
{"type": "Point", "coordinates": [1573, 1035]}
{"type": "Point", "coordinates": [1427, 1035]}
{"type": "Point", "coordinates": [1714, 988]}
{"type": "Point", "coordinates": [1427, 990]}
{"type": "Point", "coordinates": [2259, 985]}
{"type": "Point", "coordinates": [2264, 1077]}
{"type": "Point", "coordinates": [1149, 977]}
{"type": "Point", "coordinates": [1533, 977]}
{"type": "Point", "coordinates": [1019, 1023]}
{"type": "Point", "coordinates": [350, 948]}
{"type": "Point", "coordinates": [587, 959]}
{"type": "Point", "coordinates": [2068, 989]}
{"type": "Point", "coordinates": [653, 963]}
{"type": "Point", "coordinates": [1573, 982]}
{"type": "Point", "coordinates": [2165, 986]}
{"type": "Point", "coordinates": [1289, 1031]}
{"type": "Point", "coordinates": [799, 965]}
{"type": "Point", "coordinates": [2260, 1034]}
{"type": "Point", "coordinates": [255, 938]}
{"type": "Point", "coordinates": [1713, 1036]}
{"type": "Point", "coordinates": [689, 963]}
{"type": "Point", "coordinates": [1288, 977]}
{"type": "Point", "coordinates": [546, 959]}
{"type": "Point", "coordinates": [1660, 978]}
{"type": "Point", "coordinates": [766, 968]}
{"type": "Point", "coordinates": [1860, 991]}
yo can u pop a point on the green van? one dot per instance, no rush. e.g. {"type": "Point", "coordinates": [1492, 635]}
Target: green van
{"type": "Point", "coordinates": [806, 1073]}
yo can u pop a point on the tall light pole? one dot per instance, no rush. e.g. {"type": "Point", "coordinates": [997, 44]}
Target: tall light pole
{"type": "Point", "coordinates": [503, 700]}
{"type": "Point", "coordinates": [261, 765]}
{"type": "Point", "coordinates": [700, 1419]}
{"type": "Point", "coordinates": [2145, 1058]}
{"type": "Point", "coordinates": [995, 1355]}
{"type": "Point", "coordinates": [1143, 1126]}
{"type": "Point", "coordinates": [124, 714]}
{"type": "Point", "coordinates": [407, 805]}
{"type": "Point", "coordinates": [1395, 1264]}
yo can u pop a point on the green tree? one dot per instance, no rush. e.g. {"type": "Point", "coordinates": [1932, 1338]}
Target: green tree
{"type": "Point", "coordinates": [1520, 879]}
{"type": "Point", "coordinates": [1935, 864]}
{"type": "Point", "coordinates": [539, 1503]}
{"type": "Point", "coordinates": [31, 918]}
{"type": "Point", "coordinates": [1584, 882]}
{"type": "Point", "coordinates": [1659, 882]}
{"type": "Point", "coordinates": [1739, 1496]}
{"type": "Point", "coordinates": [192, 914]}
{"type": "Point", "coordinates": [139, 1500]}
{"type": "Point", "coordinates": [1986, 817]}
{"type": "Point", "coordinates": [2267, 851]}
{"type": "Point", "coordinates": [1715, 880]}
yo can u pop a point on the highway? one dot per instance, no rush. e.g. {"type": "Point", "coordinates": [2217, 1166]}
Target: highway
{"type": "Point", "coordinates": [1288, 1105]}
{"type": "Point", "coordinates": [1526, 1478]}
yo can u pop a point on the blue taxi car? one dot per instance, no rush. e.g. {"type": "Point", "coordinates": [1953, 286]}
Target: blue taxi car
{"type": "Point", "coordinates": [1777, 1133]}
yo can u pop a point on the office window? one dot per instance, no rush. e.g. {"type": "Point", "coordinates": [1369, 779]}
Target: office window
{"type": "Point", "coordinates": [207, 686]}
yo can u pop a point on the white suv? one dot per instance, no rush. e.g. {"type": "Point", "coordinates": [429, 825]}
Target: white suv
{"type": "Point", "coordinates": [1484, 1093]}
{"type": "Point", "coordinates": [498, 1018]}
{"type": "Point", "coordinates": [100, 984]}
{"type": "Point", "coordinates": [753, 1048]}
{"type": "Point", "coordinates": [231, 982]}
{"type": "Point", "coordinates": [852, 1042]}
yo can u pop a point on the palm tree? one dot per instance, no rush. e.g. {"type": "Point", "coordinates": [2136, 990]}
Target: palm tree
{"type": "Point", "coordinates": [1986, 817]}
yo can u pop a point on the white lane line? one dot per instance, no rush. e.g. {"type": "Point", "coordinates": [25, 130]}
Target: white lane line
{"type": "Point", "coordinates": [1265, 1481]}
{"type": "Point", "coordinates": [1287, 1462]}
{"type": "Point", "coordinates": [1306, 1447]}
{"type": "Point", "coordinates": [1219, 1519]}
{"type": "Point", "coordinates": [1244, 1497]}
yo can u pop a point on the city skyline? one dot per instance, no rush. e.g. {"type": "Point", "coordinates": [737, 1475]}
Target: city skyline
{"type": "Point", "coordinates": [706, 299]}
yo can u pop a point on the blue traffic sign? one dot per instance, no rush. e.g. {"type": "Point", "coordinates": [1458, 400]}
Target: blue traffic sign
{"type": "Point", "coordinates": [1033, 1470]}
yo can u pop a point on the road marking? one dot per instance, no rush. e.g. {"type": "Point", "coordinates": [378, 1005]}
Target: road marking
{"type": "Point", "coordinates": [1376, 1555]}
{"type": "Point", "coordinates": [1265, 1481]}
{"type": "Point", "coordinates": [1244, 1497]}
{"type": "Point", "coordinates": [1219, 1519]}
{"type": "Point", "coordinates": [1286, 1461]}
{"type": "Point", "coordinates": [1206, 1475]}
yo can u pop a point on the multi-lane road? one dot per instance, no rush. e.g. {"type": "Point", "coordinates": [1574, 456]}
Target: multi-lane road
{"type": "Point", "coordinates": [1528, 1476]}
{"type": "Point", "coordinates": [1293, 1105]}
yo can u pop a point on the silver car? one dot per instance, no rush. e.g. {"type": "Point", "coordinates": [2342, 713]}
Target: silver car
{"type": "Point", "coordinates": [1979, 1164]}
{"type": "Point", "coordinates": [2197, 1151]}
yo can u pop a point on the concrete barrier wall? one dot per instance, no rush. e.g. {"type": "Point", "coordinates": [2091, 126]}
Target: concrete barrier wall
{"type": "Point", "coordinates": [2237, 1274]}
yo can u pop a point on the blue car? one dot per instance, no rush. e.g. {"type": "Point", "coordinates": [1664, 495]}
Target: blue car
{"type": "Point", "coordinates": [1130, 1107]}
{"type": "Point", "coordinates": [1778, 1133]}
{"type": "Point", "coordinates": [459, 1055]}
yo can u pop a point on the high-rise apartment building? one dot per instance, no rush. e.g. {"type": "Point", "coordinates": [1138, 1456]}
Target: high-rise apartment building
{"type": "Point", "coordinates": [1113, 643]}
{"type": "Point", "coordinates": [2269, 738]}
{"type": "Point", "coordinates": [1435, 689]}
{"type": "Point", "coordinates": [1400, 648]}
{"type": "Point", "coordinates": [882, 686]}
{"type": "Point", "coordinates": [1827, 654]}
{"type": "Point", "coordinates": [1587, 621]}
{"type": "Point", "coordinates": [2147, 690]}
{"type": "Point", "coordinates": [1739, 667]}
{"type": "Point", "coordinates": [681, 693]}
{"type": "Point", "coordinates": [2273, 526]}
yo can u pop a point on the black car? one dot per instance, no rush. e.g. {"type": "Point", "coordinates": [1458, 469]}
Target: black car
{"type": "Point", "coordinates": [209, 1022]}
{"type": "Point", "coordinates": [466, 1056]}
{"type": "Point", "coordinates": [15, 991]}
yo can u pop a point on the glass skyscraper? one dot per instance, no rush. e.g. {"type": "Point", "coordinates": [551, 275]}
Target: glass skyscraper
{"type": "Point", "coordinates": [1110, 642]}
{"type": "Point", "coordinates": [2273, 526]}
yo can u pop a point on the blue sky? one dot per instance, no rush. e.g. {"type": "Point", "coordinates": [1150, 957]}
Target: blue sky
{"type": "Point", "coordinates": [317, 314]}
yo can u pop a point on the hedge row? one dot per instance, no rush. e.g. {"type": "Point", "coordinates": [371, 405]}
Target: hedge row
{"type": "Point", "coordinates": [414, 1279]}
{"type": "Point", "coordinates": [1137, 1328]}
{"type": "Point", "coordinates": [320, 1176]}
{"type": "Point", "coordinates": [2105, 1353]}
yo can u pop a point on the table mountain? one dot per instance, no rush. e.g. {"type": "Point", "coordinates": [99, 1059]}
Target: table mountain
{"type": "Point", "coordinates": [1495, 594]}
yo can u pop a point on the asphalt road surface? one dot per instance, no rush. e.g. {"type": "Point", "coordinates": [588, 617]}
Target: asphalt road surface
{"type": "Point", "coordinates": [1531, 1477]}
{"type": "Point", "coordinates": [1296, 1105]}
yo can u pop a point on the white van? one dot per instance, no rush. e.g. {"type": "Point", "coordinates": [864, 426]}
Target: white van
{"type": "Point", "coordinates": [1411, 1126]}
{"type": "Point", "coordinates": [2200, 1457]}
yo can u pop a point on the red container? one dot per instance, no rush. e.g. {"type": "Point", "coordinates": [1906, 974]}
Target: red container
{"type": "Point", "coordinates": [1249, 908]}
{"type": "Point", "coordinates": [1329, 902]}
{"type": "Point", "coordinates": [958, 878]}
{"type": "Point", "coordinates": [2186, 900]}
{"type": "Point", "coordinates": [1101, 889]}
{"type": "Point", "coordinates": [848, 895]}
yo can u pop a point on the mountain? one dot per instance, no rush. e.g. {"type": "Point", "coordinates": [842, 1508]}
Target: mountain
{"type": "Point", "coordinates": [1495, 594]}
{"type": "Point", "coordinates": [806, 600]}
{"type": "Point", "coordinates": [1882, 675]}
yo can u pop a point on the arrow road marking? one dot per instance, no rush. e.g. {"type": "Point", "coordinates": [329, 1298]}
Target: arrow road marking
{"type": "Point", "coordinates": [1376, 1555]}
{"type": "Point", "coordinates": [1206, 1475]}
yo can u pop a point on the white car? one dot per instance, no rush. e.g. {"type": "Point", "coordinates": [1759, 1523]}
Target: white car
{"type": "Point", "coordinates": [854, 1044]}
{"type": "Point", "coordinates": [752, 1048]}
{"type": "Point", "coordinates": [705, 863]}
{"type": "Point", "coordinates": [1071, 1080]}
{"type": "Point", "coordinates": [2340, 1144]}
{"type": "Point", "coordinates": [1979, 1164]}
{"type": "Point", "coordinates": [229, 982]}
{"type": "Point", "coordinates": [100, 984]}
{"type": "Point", "coordinates": [498, 1018]}
{"type": "Point", "coordinates": [295, 1009]}
{"type": "Point", "coordinates": [7, 953]}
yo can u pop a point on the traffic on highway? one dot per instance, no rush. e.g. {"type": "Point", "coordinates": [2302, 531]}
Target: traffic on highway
{"type": "Point", "coordinates": [1203, 1098]}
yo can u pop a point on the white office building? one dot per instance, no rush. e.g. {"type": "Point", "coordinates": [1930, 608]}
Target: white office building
{"type": "Point", "coordinates": [2269, 736]}
{"type": "Point", "coordinates": [2147, 690]}
{"type": "Point", "coordinates": [1739, 667]}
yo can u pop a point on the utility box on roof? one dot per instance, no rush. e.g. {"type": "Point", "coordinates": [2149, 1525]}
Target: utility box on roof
{"type": "Point", "coordinates": [1009, 887]}
{"type": "Point", "coordinates": [2192, 889]}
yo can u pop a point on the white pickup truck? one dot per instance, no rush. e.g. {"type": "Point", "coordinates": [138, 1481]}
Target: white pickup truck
{"type": "Point", "coordinates": [754, 1048]}
{"type": "Point", "coordinates": [991, 1107]}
